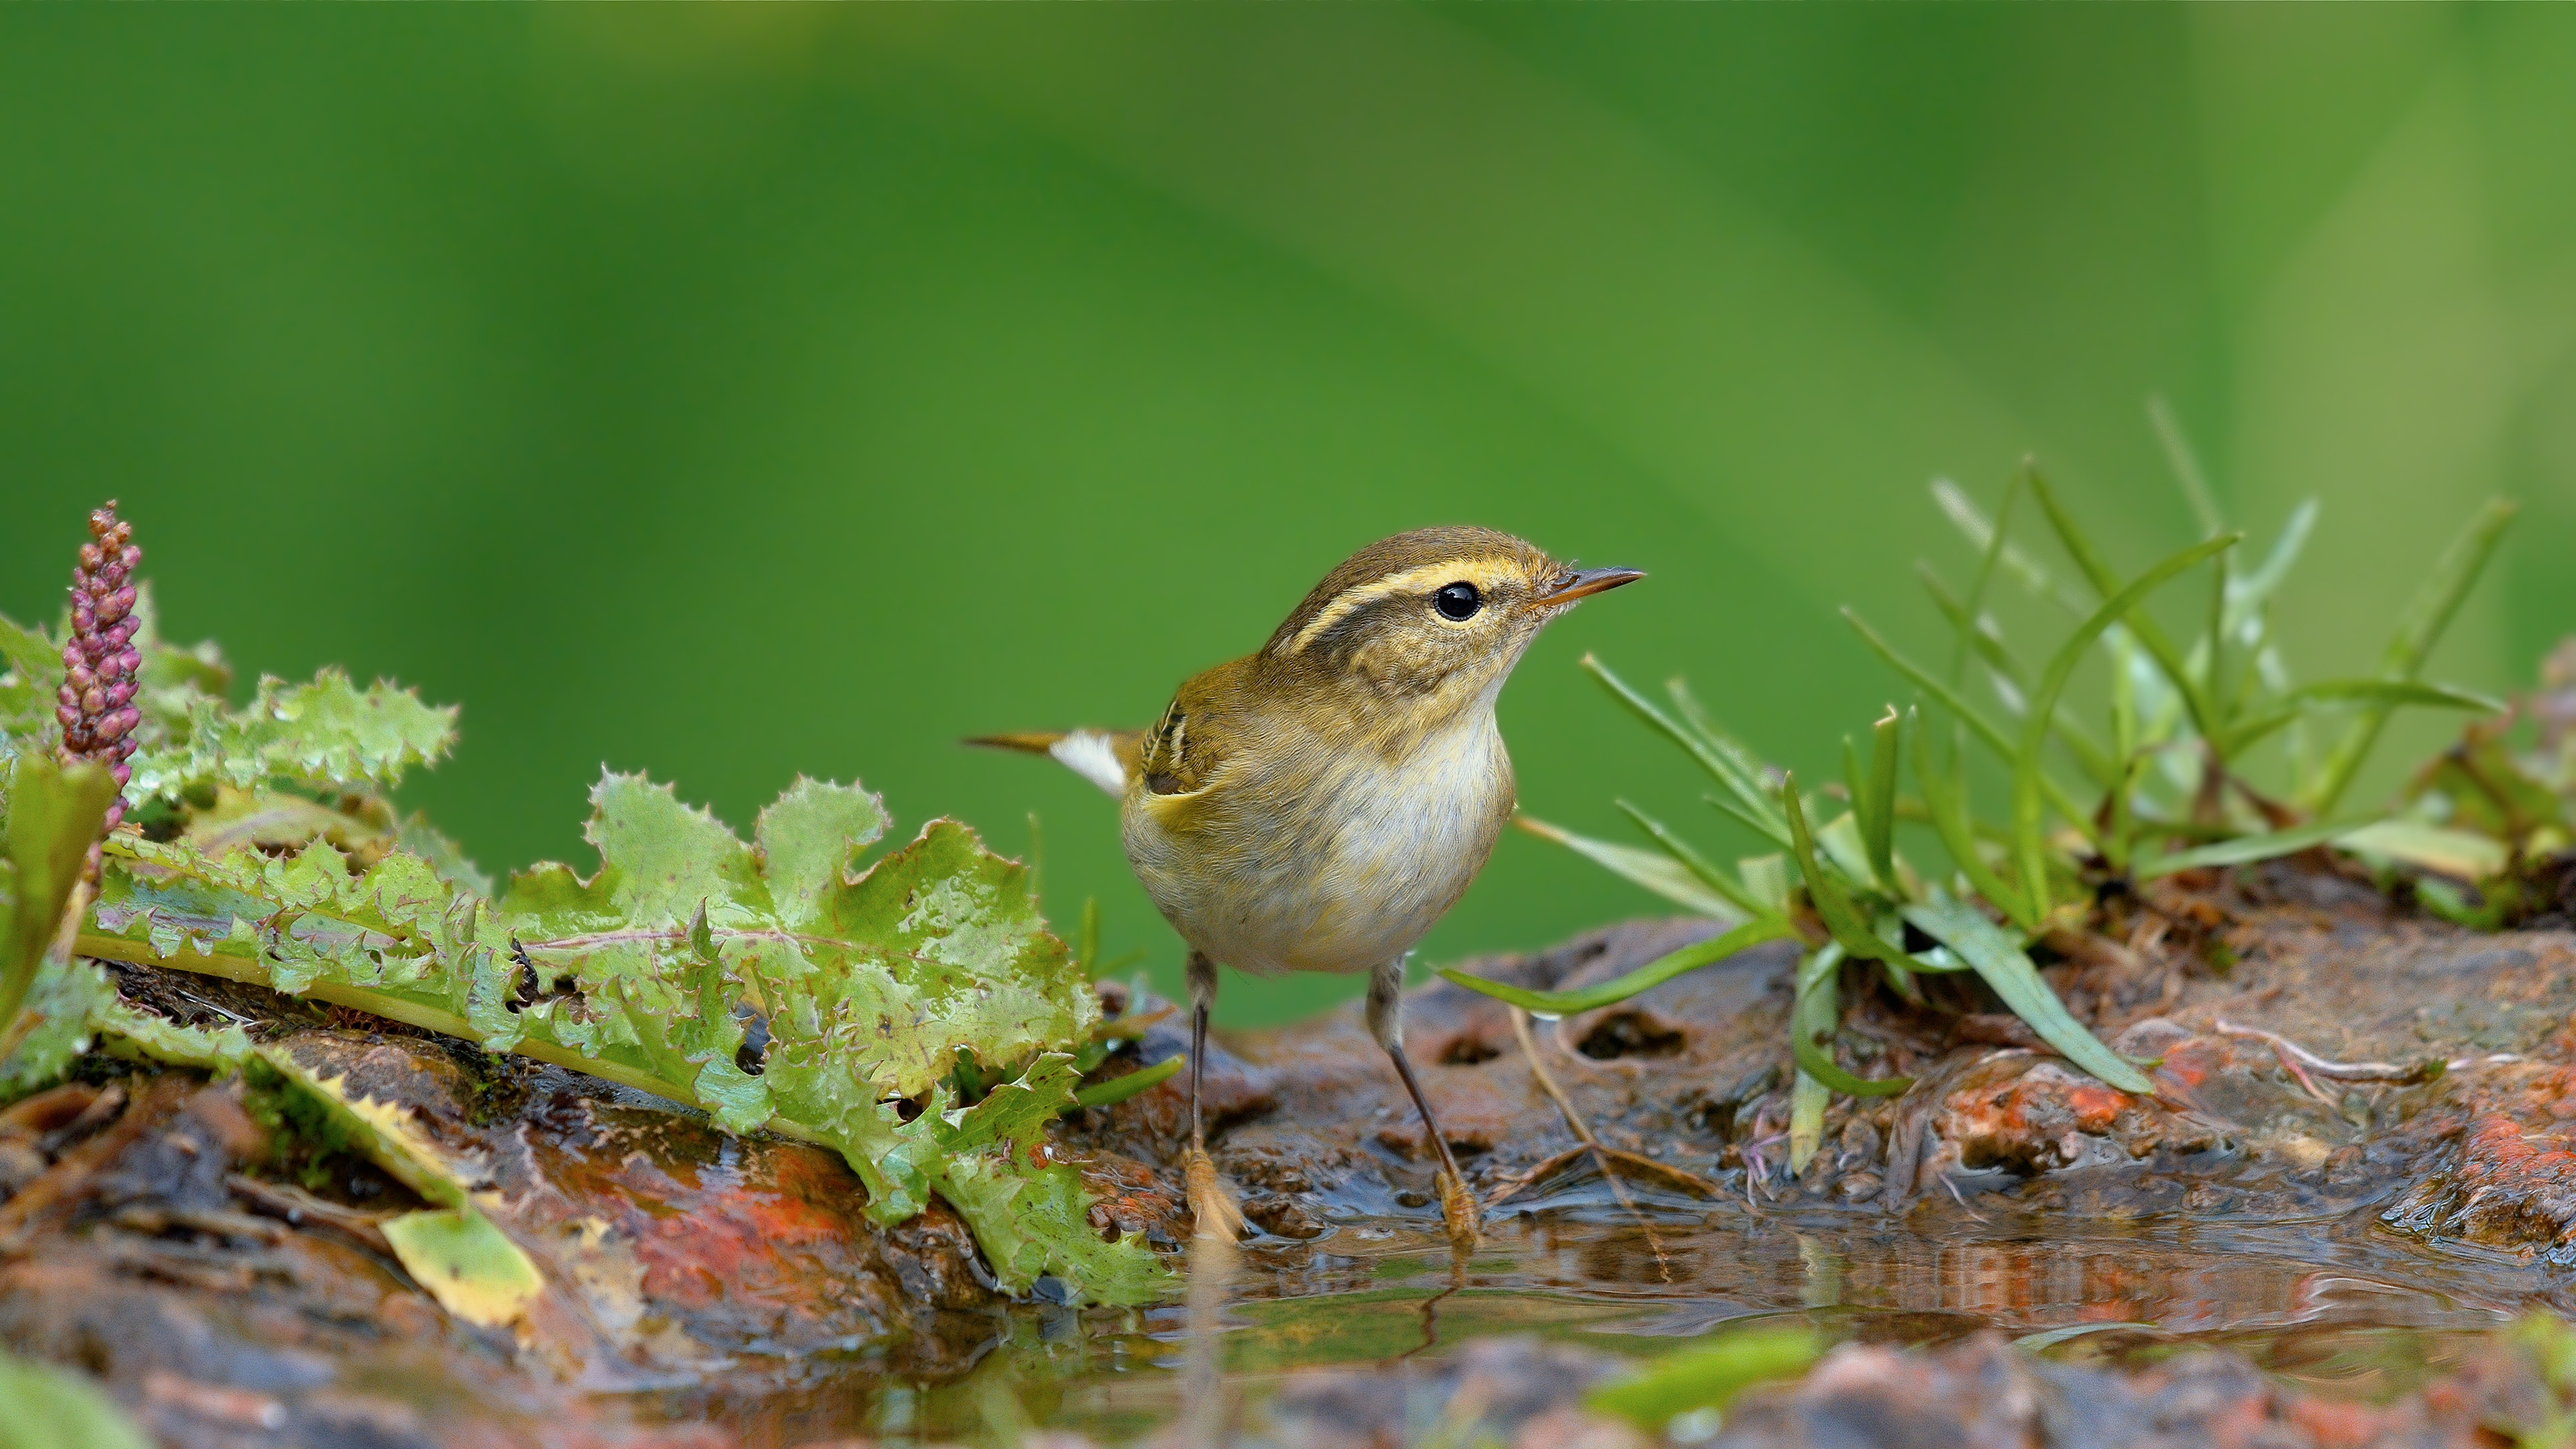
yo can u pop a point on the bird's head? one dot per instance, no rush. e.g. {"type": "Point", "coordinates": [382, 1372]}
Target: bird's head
{"type": "Point", "coordinates": [1429, 621]}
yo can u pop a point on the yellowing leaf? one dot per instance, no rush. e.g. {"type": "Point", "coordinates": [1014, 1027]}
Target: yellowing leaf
{"type": "Point", "coordinates": [470, 1266]}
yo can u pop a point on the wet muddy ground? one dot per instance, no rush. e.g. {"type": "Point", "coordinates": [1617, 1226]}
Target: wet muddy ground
{"type": "Point", "coordinates": [2276, 1249]}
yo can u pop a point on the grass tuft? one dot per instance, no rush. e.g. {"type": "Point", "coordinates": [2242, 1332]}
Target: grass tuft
{"type": "Point", "coordinates": [2170, 791]}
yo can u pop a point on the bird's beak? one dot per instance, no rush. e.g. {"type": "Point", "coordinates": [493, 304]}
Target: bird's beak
{"type": "Point", "coordinates": [1574, 584]}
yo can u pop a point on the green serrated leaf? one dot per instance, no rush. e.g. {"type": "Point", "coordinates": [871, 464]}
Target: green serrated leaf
{"type": "Point", "coordinates": [56, 1023]}
{"type": "Point", "coordinates": [31, 667]}
{"type": "Point", "coordinates": [28, 652]}
{"type": "Point", "coordinates": [274, 820]}
{"type": "Point", "coordinates": [143, 1036]}
{"type": "Point", "coordinates": [326, 733]}
{"type": "Point", "coordinates": [870, 985]}
{"type": "Point", "coordinates": [416, 836]}
{"type": "Point", "coordinates": [810, 837]}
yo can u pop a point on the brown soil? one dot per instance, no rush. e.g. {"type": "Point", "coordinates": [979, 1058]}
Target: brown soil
{"type": "Point", "coordinates": [2265, 1252]}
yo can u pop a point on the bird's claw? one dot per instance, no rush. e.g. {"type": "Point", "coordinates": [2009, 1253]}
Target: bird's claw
{"type": "Point", "coordinates": [1458, 1211]}
{"type": "Point", "coordinates": [1212, 1208]}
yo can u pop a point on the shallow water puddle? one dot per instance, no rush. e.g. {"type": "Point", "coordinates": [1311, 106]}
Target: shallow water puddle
{"type": "Point", "coordinates": [2340, 1306]}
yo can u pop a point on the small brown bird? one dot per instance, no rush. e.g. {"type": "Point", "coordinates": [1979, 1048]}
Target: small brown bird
{"type": "Point", "coordinates": [1320, 804]}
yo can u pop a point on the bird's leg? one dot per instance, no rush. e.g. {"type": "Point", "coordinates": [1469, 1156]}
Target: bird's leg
{"type": "Point", "coordinates": [1202, 974]}
{"type": "Point", "coordinates": [1210, 1204]}
{"type": "Point", "coordinates": [1458, 1208]}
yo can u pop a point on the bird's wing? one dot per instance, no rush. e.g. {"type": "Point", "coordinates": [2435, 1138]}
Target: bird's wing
{"type": "Point", "coordinates": [1196, 735]}
{"type": "Point", "coordinates": [1107, 758]}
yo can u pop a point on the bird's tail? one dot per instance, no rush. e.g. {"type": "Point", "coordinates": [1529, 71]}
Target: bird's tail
{"type": "Point", "coordinates": [1105, 759]}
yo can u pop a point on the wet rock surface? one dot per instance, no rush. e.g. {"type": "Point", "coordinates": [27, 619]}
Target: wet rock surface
{"type": "Point", "coordinates": [2360, 1161]}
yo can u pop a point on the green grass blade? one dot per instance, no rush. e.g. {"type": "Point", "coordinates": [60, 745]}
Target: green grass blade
{"type": "Point", "coordinates": [2386, 693]}
{"type": "Point", "coordinates": [2443, 591]}
{"type": "Point", "coordinates": [2459, 853]}
{"type": "Point", "coordinates": [2185, 464]}
{"type": "Point", "coordinates": [2194, 483]}
{"type": "Point", "coordinates": [1940, 692]}
{"type": "Point", "coordinates": [1833, 904]}
{"type": "Point", "coordinates": [2246, 849]}
{"type": "Point", "coordinates": [2008, 969]}
{"type": "Point", "coordinates": [2395, 692]}
{"type": "Point", "coordinates": [2254, 589]}
{"type": "Point", "coordinates": [1740, 816]}
{"type": "Point", "coordinates": [1697, 864]}
{"type": "Point", "coordinates": [1981, 536]}
{"type": "Point", "coordinates": [2105, 582]}
{"type": "Point", "coordinates": [2027, 782]}
{"type": "Point", "coordinates": [1945, 802]}
{"type": "Point", "coordinates": [2122, 840]}
{"type": "Point", "coordinates": [1989, 557]}
{"type": "Point", "coordinates": [2425, 618]}
{"type": "Point", "coordinates": [1745, 760]}
{"type": "Point", "coordinates": [1661, 874]}
{"type": "Point", "coordinates": [1767, 877]}
{"type": "Point", "coordinates": [2213, 680]}
{"type": "Point", "coordinates": [1807, 1100]}
{"type": "Point", "coordinates": [2246, 733]}
{"type": "Point", "coordinates": [1645, 978]}
{"type": "Point", "coordinates": [1989, 649]}
{"type": "Point", "coordinates": [2204, 507]}
{"type": "Point", "coordinates": [1119, 1089]}
{"type": "Point", "coordinates": [1816, 1018]}
{"type": "Point", "coordinates": [1855, 785]}
{"type": "Point", "coordinates": [1973, 634]}
{"type": "Point", "coordinates": [1877, 803]}
{"type": "Point", "coordinates": [1840, 846]}
{"type": "Point", "coordinates": [1741, 782]}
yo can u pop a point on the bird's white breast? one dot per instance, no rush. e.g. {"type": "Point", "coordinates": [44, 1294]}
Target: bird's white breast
{"type": "Point", "coordinates": [1347, 872]}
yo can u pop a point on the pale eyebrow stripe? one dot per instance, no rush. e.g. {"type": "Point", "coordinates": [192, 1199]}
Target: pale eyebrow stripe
{"type": "Point", "coordinates": [1362, 595]}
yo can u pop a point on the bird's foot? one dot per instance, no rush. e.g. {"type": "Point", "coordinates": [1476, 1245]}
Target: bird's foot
{"type": "Point", "coordinates": [1458, 1211]}
{"type": "Point", "coordinates": [1212, 1207]}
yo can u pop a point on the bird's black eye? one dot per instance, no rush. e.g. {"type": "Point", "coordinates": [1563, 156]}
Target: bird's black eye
{"type": "Point", "coordinates": [1458, 602]}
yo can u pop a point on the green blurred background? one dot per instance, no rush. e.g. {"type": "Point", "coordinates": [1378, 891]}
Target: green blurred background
{"type": "Point", "coordinates": [734, 392]}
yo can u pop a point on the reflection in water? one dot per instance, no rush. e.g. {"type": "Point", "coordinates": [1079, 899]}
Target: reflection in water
{"type": "Point", "coordinates": [2339, 1305]}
